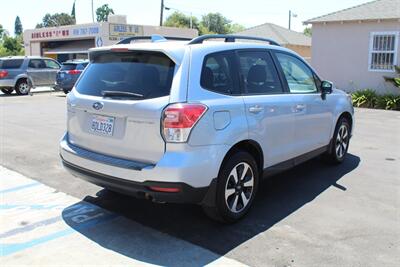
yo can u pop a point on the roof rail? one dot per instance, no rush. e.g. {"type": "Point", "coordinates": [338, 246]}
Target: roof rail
{"type": "Point", "coordinates": [230, 38]}
{"type": "Point", "coordinates": [153, 38]}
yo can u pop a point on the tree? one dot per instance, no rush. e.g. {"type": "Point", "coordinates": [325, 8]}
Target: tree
{"type": "Point", "coordinates": [180, 20]}
{"type": "Point", "coordinates": [18, 26]}
{"type": "Point", "coordinates": [103, 12]}
{"type": "Point", "coordinates": [11, 46]}
{"type": "Point", "coordinates": [2, 31]}
{"type": "Point", "coordinates": [57, 19]}
{"type": "Point", "coordinates": [235, 27]}
{"type": "Point", "coordinates": [215, 23]}
{"type": "Point", "coordinates": [308, 31]}
{"type": "Point", "coordinates": [73, 11]}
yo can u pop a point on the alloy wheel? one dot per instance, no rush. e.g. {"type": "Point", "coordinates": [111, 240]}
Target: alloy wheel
{"type": "Point", "coordinates": [342, 141]}
{"type": "Point", "coordinates": [239, 187]}
{"type": "Point", "coordinates": [23, 88]}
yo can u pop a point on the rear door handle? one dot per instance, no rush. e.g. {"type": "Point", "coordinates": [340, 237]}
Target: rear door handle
{"type": "Point", "coordinates": [256, 109]}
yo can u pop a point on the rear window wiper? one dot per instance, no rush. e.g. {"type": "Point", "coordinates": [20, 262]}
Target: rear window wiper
{"type": "Point", "coordinates": [121, 94]}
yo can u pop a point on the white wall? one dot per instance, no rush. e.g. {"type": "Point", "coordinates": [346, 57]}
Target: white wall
{"type": "Point", "coordinates": [340, 54]}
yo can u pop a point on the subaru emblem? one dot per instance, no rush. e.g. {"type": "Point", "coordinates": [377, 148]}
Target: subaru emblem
{"type": "Point", "coordinates": [97, 105]}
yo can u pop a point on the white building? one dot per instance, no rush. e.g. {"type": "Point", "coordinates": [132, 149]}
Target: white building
{"type": "Point", "coordinates": [73, 41]}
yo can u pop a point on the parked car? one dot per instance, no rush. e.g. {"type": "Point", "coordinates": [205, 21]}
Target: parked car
{"type": "Point", "coordinates": [200, 121]}
{"type": "Point", "coordinates": [21, 73]}
{"type": "Point", "coordinates": [69, 74]}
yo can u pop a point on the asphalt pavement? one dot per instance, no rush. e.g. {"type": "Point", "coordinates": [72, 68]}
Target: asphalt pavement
{"type": "Point", "coordinates": [312, 215]}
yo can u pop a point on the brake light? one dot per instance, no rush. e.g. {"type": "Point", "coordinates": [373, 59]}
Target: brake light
{"type": "Point", "coordinates": [179, 120]}
{"type": "Point", "coordinates": [3, 74]}
{"type": "Point", "coordinates": [165, 189]}
{"type": "Point", "coordinates": [74, 71]}
{"type": "Point", "coordinates": [119, 49]}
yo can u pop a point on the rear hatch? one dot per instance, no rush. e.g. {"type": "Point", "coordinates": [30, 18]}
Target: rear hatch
{"type": "Point", "coordinates": [70, 72]}
{"type": "Point", "coordinates": [10, 68]}
{"type": "Point", "coordinates": [117, 104]}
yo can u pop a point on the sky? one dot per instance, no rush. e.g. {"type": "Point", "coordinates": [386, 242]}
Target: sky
{"type": "Point", "coordinates": [147, 12]}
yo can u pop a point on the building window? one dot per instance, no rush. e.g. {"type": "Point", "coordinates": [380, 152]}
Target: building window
{"type": "Point", "coordinates": [383, 51]}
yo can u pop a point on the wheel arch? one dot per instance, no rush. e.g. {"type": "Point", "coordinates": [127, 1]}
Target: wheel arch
{"type": "Point", "coordinates": [24, 77]}
{"type": "Point", "coordinates": [250, 146]}
{"type": "Point", "coordinates": [347, 115]}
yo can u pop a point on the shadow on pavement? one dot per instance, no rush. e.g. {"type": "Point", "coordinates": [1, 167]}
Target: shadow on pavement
{"type": "Point", "coordinates": [277, 198]}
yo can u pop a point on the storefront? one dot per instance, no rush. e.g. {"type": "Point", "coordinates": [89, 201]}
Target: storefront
{"type": "Point", "coordinates": [73, 41]}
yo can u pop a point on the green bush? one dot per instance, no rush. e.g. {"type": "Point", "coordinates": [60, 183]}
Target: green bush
{"type": "Point", "coordinates": [389, 102]}
{"type": "Point", "coordinates": [368, 98]}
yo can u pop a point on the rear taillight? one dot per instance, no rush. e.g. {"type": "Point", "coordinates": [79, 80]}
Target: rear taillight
{"type": "Point", "coordinates": [179, 119]}
{"type": "Point", "coordinates": [74, 71]}
{"type": "Point", "coordinates": [3, 74]}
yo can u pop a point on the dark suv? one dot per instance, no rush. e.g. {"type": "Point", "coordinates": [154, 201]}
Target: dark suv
{"type": "Point", "coordinates": [69, 74]}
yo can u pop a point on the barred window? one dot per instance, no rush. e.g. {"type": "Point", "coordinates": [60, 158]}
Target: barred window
{"type": "Point", "coordinates": [383, 51]}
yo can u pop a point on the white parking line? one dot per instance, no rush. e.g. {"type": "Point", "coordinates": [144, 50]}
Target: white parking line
{"type": "Point", "coordinates": [41, 226]}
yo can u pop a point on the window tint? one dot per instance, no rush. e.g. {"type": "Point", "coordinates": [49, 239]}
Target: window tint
{"type": "Point", "coordinates": [258, 73]}
{"type": "Point", "coordinates": [11, 63]}
{"type": "Point", "coordinates": [216, 74]}
{"type": "Point", "coordinates": [37, 64]}
{"type": "Point", "coordinates": [50, 64]}
{"type": "Point", "coordinates": [67, 66]}
{"type": "Point", "coordinates": [298, 75]}
{"type": "Point", "coordinates": [81, 66]}
{"type": "Point", "coordinates": [145, 73]}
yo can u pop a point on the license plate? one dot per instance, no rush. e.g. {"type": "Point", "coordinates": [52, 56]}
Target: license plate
{"type": "Point", "coordinates": [102, 125]}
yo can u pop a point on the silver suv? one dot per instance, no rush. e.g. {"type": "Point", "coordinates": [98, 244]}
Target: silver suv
{"type": "Point", "coordinates": [200, 121]}
{"type": "Point", "coordinates": [23, 73]}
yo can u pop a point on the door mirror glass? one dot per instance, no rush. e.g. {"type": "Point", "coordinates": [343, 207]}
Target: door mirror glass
{"type": "Point", "coordinates": [326, 87]}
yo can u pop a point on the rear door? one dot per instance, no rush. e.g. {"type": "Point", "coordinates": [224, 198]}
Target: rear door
{"type": "Point", "coordinates": [269, 113]}
{"type": "Point", "coordinates": [117, 104]}
{"type": "Point", "coordinates": [37, 72]}
{"type": "Point", "coordinates": [52, 68]}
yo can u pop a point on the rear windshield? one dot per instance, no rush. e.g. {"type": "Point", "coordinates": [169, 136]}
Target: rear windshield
{"type": "Point", "coordinates": [11, 63]}
{"type": "Point", "coordinates": [68, 66]}
{"type": "Point", "coordinates": [141, 74]}
{"type": "Point", "coordinates": [73, 66]}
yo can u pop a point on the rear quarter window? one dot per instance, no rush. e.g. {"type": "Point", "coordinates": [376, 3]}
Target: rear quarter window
{"type": "Point", "coordinates": [11, 63]}
{"type": "Point", "coordinates": [217, 73]}
{"type": "Point", "coordinates": [148, 74]}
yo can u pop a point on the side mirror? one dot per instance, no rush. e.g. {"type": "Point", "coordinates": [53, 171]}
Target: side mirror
{"type": "Point", "coordinates": [326, 88]}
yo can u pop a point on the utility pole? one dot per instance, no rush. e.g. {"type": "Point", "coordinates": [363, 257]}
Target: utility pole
{"type": "Point", "coordinates": [161, 12]}
{"type": "Point", "coordinates": [92, 12]}
{"type": "Point", "coordinates": [290, 18]}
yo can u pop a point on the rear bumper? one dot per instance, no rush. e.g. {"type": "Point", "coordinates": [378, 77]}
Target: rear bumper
{"type": "Point", "coordinates": [186, 194]}
{"type": "Point", "coordinates": [7, 83]}
{"type": "Point", "coordinates": [192, 170]}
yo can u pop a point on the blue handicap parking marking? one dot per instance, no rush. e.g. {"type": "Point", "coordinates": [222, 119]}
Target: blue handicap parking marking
{"type": "Point", "coordinates": [80, 216]}
{"type": "Point", "coordinates": [21, 187]}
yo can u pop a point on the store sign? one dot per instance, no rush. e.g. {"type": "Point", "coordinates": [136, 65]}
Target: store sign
{"type": "Point", "coordinates": [125, 30]}
{"type": "Point", "coordinates": [65, 33]}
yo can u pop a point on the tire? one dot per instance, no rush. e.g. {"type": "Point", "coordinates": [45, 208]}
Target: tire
{"type": "Point", "coordinates": [7, 91]}
{"type": "Point", "coordinates": [234, 197]}
{"type": "Point", "coordinates": [66, 91]}
{"type": "Point", "coordinates": [340, 142]}
{"type": "Point", "coordinates": [22, 87]}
